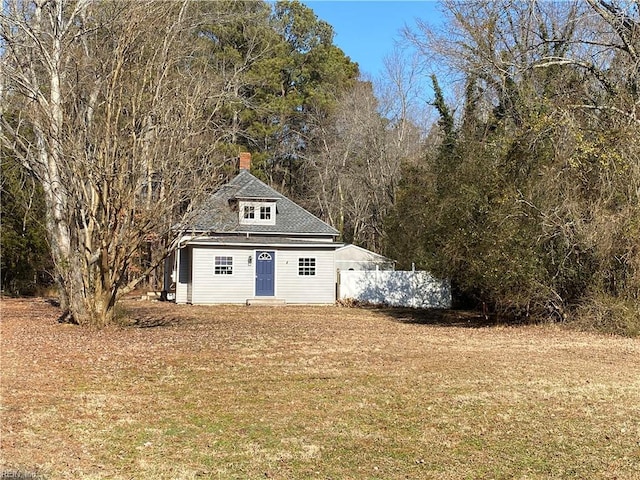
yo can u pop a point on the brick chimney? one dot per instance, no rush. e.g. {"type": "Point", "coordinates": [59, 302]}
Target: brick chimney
{"type": "Point", "coordinates": [245, 161]}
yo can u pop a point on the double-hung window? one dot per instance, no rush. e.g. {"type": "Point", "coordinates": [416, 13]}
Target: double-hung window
{"type": "Point", "coordinates": [223, 266]}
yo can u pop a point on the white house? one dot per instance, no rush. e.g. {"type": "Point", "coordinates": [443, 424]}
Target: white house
{"type": "Point", "coordinates": [248, 243]}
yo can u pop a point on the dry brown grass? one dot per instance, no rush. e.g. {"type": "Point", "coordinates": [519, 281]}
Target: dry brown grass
{"type": "Point", "coordinates": [313, 392]}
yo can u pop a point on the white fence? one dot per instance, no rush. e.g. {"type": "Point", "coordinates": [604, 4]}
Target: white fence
{"type": "Point", "coordinates": [395, 288]}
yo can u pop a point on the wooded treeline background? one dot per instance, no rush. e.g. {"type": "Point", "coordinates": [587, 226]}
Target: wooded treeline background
{"type": "Point", "coordinates": [500, 149]}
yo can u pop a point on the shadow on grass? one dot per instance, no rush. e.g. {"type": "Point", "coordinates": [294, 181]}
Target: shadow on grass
{"type": "Point", "coordinates": [437, 317]}
{"type": "Point", "coordinates": [155, 321]}
{"type": "Point", "coordinates": [141, 317]}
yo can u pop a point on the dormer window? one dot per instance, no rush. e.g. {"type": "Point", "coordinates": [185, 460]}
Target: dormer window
{"type": "Point", "coordinates": [249, 212]}
{"type": "Point", "coordinates": [265, 212]}
{"type": "Point", "coordinates": [257, 212]}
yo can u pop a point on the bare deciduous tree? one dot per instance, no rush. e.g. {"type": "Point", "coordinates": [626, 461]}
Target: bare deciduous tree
{"type": "Point", "coordinates": [357, 158]}
{"type": "Point", "coordinates": [108, 105]}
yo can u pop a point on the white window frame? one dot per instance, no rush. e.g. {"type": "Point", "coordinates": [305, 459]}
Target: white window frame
{"type": "Point", "coordinates": [223, 265]}
{"type": "Point", "coordinates": [255, 212]}
{"type": "Point", "coordinates": [307, 266]}
{"type": "Point", "coordinates": [265, 212]}
{"type": "Point", "coordinates": [249, 212]}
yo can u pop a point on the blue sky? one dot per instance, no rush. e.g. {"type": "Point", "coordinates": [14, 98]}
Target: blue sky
{"type": "Point", "coordinates": [366, 29]}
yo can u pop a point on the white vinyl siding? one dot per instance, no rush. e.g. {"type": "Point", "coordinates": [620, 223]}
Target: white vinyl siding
{"type": "Point", "coordinates": [209, 288]}
{"type": "Point", "coordinates": [319, 288]}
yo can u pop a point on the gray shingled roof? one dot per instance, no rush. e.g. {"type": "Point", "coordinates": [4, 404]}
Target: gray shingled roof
{"type": "Point", "coordinates": [264, 241]}
{"type": "Point", "coordinates": [216, 214]}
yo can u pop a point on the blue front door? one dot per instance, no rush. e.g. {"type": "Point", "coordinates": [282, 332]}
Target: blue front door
{"type": "Point", "coordinates": [265, 273]}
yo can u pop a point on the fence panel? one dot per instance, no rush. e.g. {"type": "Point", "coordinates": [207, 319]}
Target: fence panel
{"type": "Point", "coordinates": [395, 288]}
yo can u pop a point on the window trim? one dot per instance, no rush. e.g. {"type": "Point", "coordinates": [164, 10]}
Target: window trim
{"type": "Point", "coordinates": [249, 212]}
{"type": "Point", "coordinates": [307, 266]}
{"type": "Point", "coordinates": [265, 213]}
{"type": "Point", "coordinates": [257, 212]}
{"type": "Point", "coordinates": [220, 268]}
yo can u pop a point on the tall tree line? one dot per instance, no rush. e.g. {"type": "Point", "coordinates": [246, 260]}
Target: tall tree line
{"type": "Point", "coordinates": [530, 200]}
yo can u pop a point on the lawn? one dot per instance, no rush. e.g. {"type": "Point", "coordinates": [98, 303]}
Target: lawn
{"type": "Point", "coordinates": [312, 392]}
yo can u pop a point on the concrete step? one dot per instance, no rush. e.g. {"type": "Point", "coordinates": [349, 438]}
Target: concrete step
{"type": "Point", "coordinates": [266, 301]}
